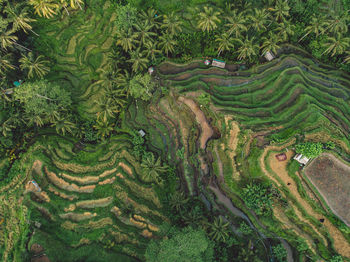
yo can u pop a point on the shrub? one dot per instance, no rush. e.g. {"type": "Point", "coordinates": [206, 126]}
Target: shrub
{"type": "Point", "coordinates": [309, 149]}
{"type": "Point", "coordinates": [279, 252]}
{"type": "Point", "coordinates": [258, 198]}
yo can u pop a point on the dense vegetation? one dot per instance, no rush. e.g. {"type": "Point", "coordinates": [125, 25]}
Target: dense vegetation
{"type": "Point", "coordinates": [101, 160]}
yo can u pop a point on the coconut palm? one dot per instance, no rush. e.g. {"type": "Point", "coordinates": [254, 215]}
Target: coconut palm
{"type": "Point", "coordinates": [337, 45]}
{"type": "Point", "coordinates": [235, 24]}
{"type": "Point", "coordinates": [45, 8]}
{"type": "Point", "coordinates": [224, 42]}
{"type": "Point", "coordinates": [248, 49]}
{"type": "Point", "coordinates": [107, 108]}
{"type": "Point", "coordinates": [150, 16]}
{"type": "Point", "coordinates": [270, 43]}
{"type": "Point", "coordinates": [218, 230]}
{"type": "Point", "coordinates": [172, 24]}
{"type": "Point", "coordinates": [5, 63]}
{"type": "Point", "coordinates": [76, 3]}
{"type": "Point", "coordinates": [208, 19]}
{"type": "Point", "coordinates": [63, 125]}
{"type": "Point", "coordinates": [143, 32]}
{"type": "Point", "coordinates": [281, 10]}
{"type": "Point", "coordinates": [7, 38]}
{"type": "Point", "coordinates": [35, 67]}
{"type": "Point", "coordinates": [338, 23]}
{"type": "Point", "coordinates": [6, 127]}
{"type": "Point", "coordinates": [317, 26]}
{"type": "Point", "coordinates": [151, 50]}
{"type": "Point", "coordinates": [19, 17]}
{"type": "Point", "coordinates": [258, 19]}
{"type": "Point", "coordinates": [103, 127]}
{"type": "Point", "coordinates": [138, 61]}
{"type": "Point", "coordinates": [285, 30]}
{"type": "Point", "coordinates": [347, 59]}
{"type": "Point", "coordinates": [152, 168]}
{"type": "Point", "coordinates": [127, 40]}
{"type": "Point", "coordinates": [178, 200]}
{"type": "Point", "coordinates": [167, 43]}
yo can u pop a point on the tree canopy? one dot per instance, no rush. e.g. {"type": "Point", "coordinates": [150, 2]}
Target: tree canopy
{"type": "Point", "coordinates": [309, 149]}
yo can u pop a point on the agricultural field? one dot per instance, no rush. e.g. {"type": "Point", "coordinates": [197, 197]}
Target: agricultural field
{"type": "Point", "coordinates": [331, 178]}
{"type": "Point", "coordinates": [170, 131]}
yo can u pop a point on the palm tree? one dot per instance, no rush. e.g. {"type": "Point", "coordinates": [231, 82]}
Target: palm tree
{"type": "Point", "coordinates": [138, 61]}
{"type": "Point", "coordinates": [107, 108]}
{"type": "Point", "coordinates": [151, 50]}
{"type": "Point", "coordinates": [248, 49]}
{"type": "Point", "coordinates": [76, 3]}
{"type": "Point", "coordinates": [167, 43]}
{"type": "Point", "coordinates": [6, 127]}
{"type": "Point", "coordinates": [258, 19]}
{"type": "Point", "coordinates": [103, 127]}
{"type": "Point", "coordinates": [347, 59]}
{"type": "Point", "coordinates": [248, 254]}
{"type": "Point", "coordinates": [5, 63]}
{"type": "Point", "coordinates": [7, 39]}
{"type": "Point", "coordinates": [270, 43]}
{"type": "Point", "coordinates": [224, 41]}
{"type": "Point", "coordinates": [45, 8]}
{"type": "Point", "coordinates": [143, 32]}
{"type": "Point", "coordinates": [19, 17]}
{"type": "Point", "coordinates": [172, 24]}
{"type": "Point", "coordinates": [36, 67]}
{"type": "Point", "coordinates": [285, 30]}
{"type": "Point", "coordinates": [337, 45]}
{"type": "Point", "coordinates": [152, 168]}
{"type": "Point", "coordinates": [150, 16]}
{"type": "Point", "coordinates": [317, 26]}
{"type": "Point", "coordinates": [218, 230]}
{"type": "Point", "coordinates": [338, 23]}
{"type": "Point", "coordinates": [208, 19]}
{"type": "Point", "coordinates": [178, 200]}
{"type": "Point", "coordinates": [63, 125]}
{"type": "Point", "coordinates": [127, 40]}
{"type": "Point", "coordinates": [281, 10]}
{"type": "Point", "coordinates": [235, 24]}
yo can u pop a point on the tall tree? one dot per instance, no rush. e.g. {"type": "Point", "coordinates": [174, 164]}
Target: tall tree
{"type": "Point", "coordinates": [106, 108]}
{"type": "Point", "coordinates": [281, 10]}
{"type": "Point", "coordinates": [141, 87]}
{"type": "Point", "coordinates": [127, 39]}
{"type": "Point", "coordinates": [285, 30]}
{"type": "Point", "coordinates": [19, 17]}
{"type": "Point", "coordinates": [152, 168]}
{"type": "Point", "coordinates": [270, 43]}
{"type": "Point", "coordinates": [236, 24]}
{"type": "Point", "coordinates": [35, 67]}
{"type": "Point", "coordinates": [151, 17]}
{"type": "Point", "coordinates": [172, 24]}
{"type": "Point", "coordinates": [337, 45]}
{"type": "Point", "coordinates": [143, 32]}
{"type": "Point", "coordinates": [103, 127]}
{"type": "Point", "coordinates": [151, 50]}
{"type": "Point", "coordinates": [218, 230]}
{"type": "Point", "coordinates": [208, 19]}
{"type": "Point", "coordinates": [139, 62]}
{"type": "Point", "coordinates": [248, 49]}
{"type": "Point", "coordinates": [317, 26]}
{"type": "Point", "coordinates": [167, 43]}
{"type": "Point", "coordinates": [338, 23]}
{"type": "Point", "coordinates": [7, 37]}
{"type": "Point", "coordinates": [5, 63]}
{"type": "Point", "coordinates": [258, 19]}
{"type": "Point", "coordinates": [225, 42]}
{"type": "Point", "coordinates": [63, 125]}
{"type": "Point", "coordinates": [45, 8]}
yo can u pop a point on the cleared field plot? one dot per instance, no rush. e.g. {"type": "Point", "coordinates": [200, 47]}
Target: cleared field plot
{"type": "Point", "coordinates": [331, 177]}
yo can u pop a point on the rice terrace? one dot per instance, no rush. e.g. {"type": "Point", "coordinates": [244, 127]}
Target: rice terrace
{"type": "Point", "coordinates": [175, 131]}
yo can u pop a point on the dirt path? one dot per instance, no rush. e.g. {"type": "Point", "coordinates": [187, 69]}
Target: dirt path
{"type": "Point", "coordinates": [278, 167]}
{"type": "Point", "coordinates": [206, 130]}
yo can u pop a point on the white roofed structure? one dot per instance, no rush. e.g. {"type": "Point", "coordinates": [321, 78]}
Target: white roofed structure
{"type": "Point", "coordinates": [301, 159]}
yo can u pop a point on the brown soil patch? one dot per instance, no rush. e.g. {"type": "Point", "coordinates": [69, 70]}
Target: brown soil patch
{"type": "Point", "coordinates": [61, 194]}
{"type": "Point", "coordinates": [107, 173]}
{"type": "Point", "coordinates": [78, 216]}
{"type": "Point", "coordinates": [107, 181]}
{"type": "Point", "coordinates": [36, 248]}
{"type": "Point", "coordinates": [102, 202]}
{"type": "Point", "coordinates": [340, 243]}
{"type": "Point", "coordinates": [81, 180]}
{"type": "Point", "coordinates": [115, 210]}
{"type": "Point", "coordinates": [206, 130]}
{"type": "Point", "coordinates": [146, 233]}
{"type": "Point", "coordinates": [37, 167]}
{"type": "Point", "coordinates": [60, 183]}
{"type": "Point", "coordinates": [332, 179]}
{"type": "Point", "coordinates": [126, 168]}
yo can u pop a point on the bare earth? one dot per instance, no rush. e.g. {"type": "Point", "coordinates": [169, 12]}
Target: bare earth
{"type": "Point", "coordinates": [331, 177]}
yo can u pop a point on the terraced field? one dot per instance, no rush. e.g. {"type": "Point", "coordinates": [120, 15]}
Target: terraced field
{"type": "Point", "coordinates": [290, 99]}
{"type": "Point", "coordinates": [79, 47]}
{"type": "Point", "coordinates": [90, 204]}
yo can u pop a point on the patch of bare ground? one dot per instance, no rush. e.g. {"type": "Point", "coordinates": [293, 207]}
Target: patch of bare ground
{"type": "Point", "coordinates": [86, 180]}
{"type": "Point", "coordinates": [206, 130]}
{"type": "Point", "coordinates": [60, 183]}
{"type": "Point", "coordinates": [126, 168]}
{"type": "Point", "coordinates": [107, 173]}
{"type": "Point", "coordinates": [107, 181]}
{"type": "Point", "coordinates": [37, 167]}
{"type": "Point", "coordinates": [62, 194]}
{"type": "Point", "coordinates": [278, 167]}
{"type": "Point", "coordinates": [77, 217]}
{"type": "Point", "coordinates": [102, 202]}
{"type": "Point", "coordinates": [331, 177]}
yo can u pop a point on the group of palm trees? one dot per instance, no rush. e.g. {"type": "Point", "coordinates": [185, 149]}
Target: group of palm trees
{"type": "Point", "coordinates": [245, 31]}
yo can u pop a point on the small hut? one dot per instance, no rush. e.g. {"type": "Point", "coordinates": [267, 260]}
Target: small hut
{"type": "Point", "coordinates": [142, 133]}
{"type": "Point", "coordinates": [151, 70]}
{"type": "Point", "coordinates": [301, 159]}
{"type": "Point", "coordinates": [269, 56]}
{"type": "Point", "coordinates": [207, 62]}
{"type": "Point", "coordinates": [281, 157]}
{"type": "Point", "coordinates": [218, 63]}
